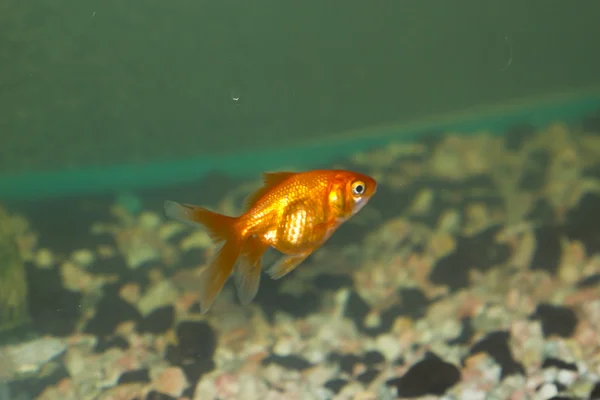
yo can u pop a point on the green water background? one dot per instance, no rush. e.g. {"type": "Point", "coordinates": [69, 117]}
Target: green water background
{"type": "Point", "coordinates": [86, 87]}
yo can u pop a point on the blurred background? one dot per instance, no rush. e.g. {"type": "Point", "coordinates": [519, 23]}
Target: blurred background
{"type": "Point", "coordinates": [98, 84]}
{"type": "Point", "coordinates": [480, 121]}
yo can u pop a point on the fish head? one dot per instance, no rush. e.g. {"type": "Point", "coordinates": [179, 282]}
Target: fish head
{"type": "Point", "coordinates": [353, 190]}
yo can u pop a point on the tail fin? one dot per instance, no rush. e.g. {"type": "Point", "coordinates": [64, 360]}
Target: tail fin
{"type": "Point", "coordinates": [221, 229]}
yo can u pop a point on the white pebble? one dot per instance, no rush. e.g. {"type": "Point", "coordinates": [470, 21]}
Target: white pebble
{"type": "Point", "coordinates": [283, 347]}
{"type": "Point", "coordinates": [149, 220]}
{"type": "Point", "coordinates": [547, 391]}
{"type": "Point", "coordinates": [44, 258]}
{"type": "Point", "coordinates": [83, 257]}
{"type": "Point", "coordinates": [388, 346]}
{"type": "Point", "coordinates": [566, 377]}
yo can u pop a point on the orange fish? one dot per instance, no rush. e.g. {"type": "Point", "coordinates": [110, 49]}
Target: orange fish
{"type": "Point", "coordinates": [295, 213]}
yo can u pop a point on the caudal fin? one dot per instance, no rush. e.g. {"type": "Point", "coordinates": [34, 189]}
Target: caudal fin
{"type": "Point", "coordinates": [221, 229]}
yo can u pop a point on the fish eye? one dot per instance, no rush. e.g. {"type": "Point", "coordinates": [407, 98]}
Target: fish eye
{"type": "Point", "coordinates": [358, 187]}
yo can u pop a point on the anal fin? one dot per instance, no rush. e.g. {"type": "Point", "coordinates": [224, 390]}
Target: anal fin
{"type": "Point", "coordinates": [247, 273]}
{"type": "Point", "coordinates": [286, 265]}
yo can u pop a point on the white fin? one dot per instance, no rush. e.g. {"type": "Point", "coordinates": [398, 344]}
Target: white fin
{"type": "Point", "coordinates": [247, 280]}
{"type": "Point", "coordinates": [286, 265]}
{"type": "Point", "coordinates": [180, 213]}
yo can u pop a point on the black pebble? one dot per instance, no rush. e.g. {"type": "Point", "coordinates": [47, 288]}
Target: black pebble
{"type": "Point", "coordinates": [196, 341]}
{"type": "Point", "coordinates": [550, 362]}
{"type": "Point", "coordinates": [368, 376]}
{"type": "Point", "coordinates": [154, 395]}
{"type": "Point", "coordinates": [104, 343]}
{"type": "Point", "coordinates": [414, 305]}
{"type": "Point", "coordinates": [345, 361]}
{"type": "Point", "coordinates": [158, 321]}
{"type": "Point", "coordinates": [111, 310]}
{"type": "Point", "coordinates": [414, 302]}
{"type": "Point", "coordinates": [547, 253]}
{"type": "Point", "coordinates": [289, 362]}
{"type": "Point", "coordinates": [533, 175]}
{"type": "Point", "coordinates": [541, 212]}
{"type": "Point", "coordinates": [593, 171]}
{"type": "Point", "coordinates": [518, 134]}
{"type": "Point", "coordinates": [194, 353]}
{"type": "Point", "coordinates": [559, 397]}
{"type": "Point", "coordinates": [53, 309]}
{"type": "Point", "coordinates": [580, 225]}
{"type": "Point", "coordinates": [356, 309]}
{"type": "Point", "coordinates": [327, 281]}
{"type": "Point", "coordinates": [192, 258]}
{"type": "Point", "coordinates": [135, 376]}
{"type": "Point", "coordinates": [556, 320]}
{"type": "Point", "coordinates": [495, 344]}
{"type": "Point", "coordinates": [479, 251]}
{"type": "Point", "coordinates": [272, 300]}
{"type": "Point", "coordinates": [466, 333]}
{"type": "Point", "coordinates": [117, 265]}
{"type": "Point", "coordinates": [589, 281]}
{"type": "Point", "coordinates": [63, 224]}
{"type": "Point", "coordinates": [430, 376]}
{"type": "Point", "coordinates": [301, 305]}
{"type": "Point", "coordinates": [336, 385]}
{"type": "Point", "coordinates": [373, 357]}
{"type": "Point", "coordinates": [595, 393]}
{"type": "Point", "coordinates": [400, 361]}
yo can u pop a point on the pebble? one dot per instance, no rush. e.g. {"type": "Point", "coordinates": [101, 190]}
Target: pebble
{"type": "Point", "coordinates": [547, 391]}
{"type": "Point", "coordinates": [197, 240]}
{"type": "Point", "coordinates": [83, 257]}
{"type": "Point", "coordinates": [283, 347]}
{"type": "Point", "coordinates": [206, 388]}
{"type": "Point", "coordinates": [149, 220]}
{"type": "Point", "coordinates": [388, 346]}
{"type": "Point", "coordinates": [31, 356]}
{"type": "Point", "coordinates": [171, 381]}
{"type": "Point", "coordinates": [44, 258]}
{"type": "Point", "coordinates": [161, 294]}
{"type": "Point", "coordinates": [170, 229]}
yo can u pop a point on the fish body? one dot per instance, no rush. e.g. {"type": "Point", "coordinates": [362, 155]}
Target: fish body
{"type": "Point", "coordinates": [295, 213]}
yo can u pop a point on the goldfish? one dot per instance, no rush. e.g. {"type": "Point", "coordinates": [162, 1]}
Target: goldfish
{"type": "Point", "coordinates": [293, 212]}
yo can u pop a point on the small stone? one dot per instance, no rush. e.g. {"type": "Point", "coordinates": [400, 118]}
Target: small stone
{"type": "Point", "coordinates": [171, 381]}
{"type": "Point", "coordinates": [198, 239]}
{"type": "Point", "coordinates": [566, 377]}
{"type": "Point", "coordinates": [149, 221]}
{"type": "Point", "coordinates": [336, 385]}
{"type": "Point", "coordinates": [429, 376]}
{"type": "Point", "coordinates": [31, 356]}
{"type": "Point", "coordinates": [495, 344]}
{"type": "Point", "coordinates": [83, 257]}
{"type": "Point", "coordinates": [547, 391]}
{"type": "Point", "coordinates": [556, 320]}
{"type": "Point", "coordinates": [160, 320]}
{"type": "Point", "coordinates": [206, 388]}
{"type": "Point", "coordinates": [44, 258]}
{"type": "Point", "coordinates": [170, 229]}
{"type": "Point", "coordinates": [160, 294]}
{"type": "Point", "coordinates": [388, 346]}
{"type": "Point", "coordinates": [291, 362]}
{"type": "Point", "coordinates": [283, 347]}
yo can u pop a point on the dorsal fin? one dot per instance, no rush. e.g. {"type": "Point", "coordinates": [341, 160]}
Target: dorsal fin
{"type": "Point", "coordinates": [270, 179]}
